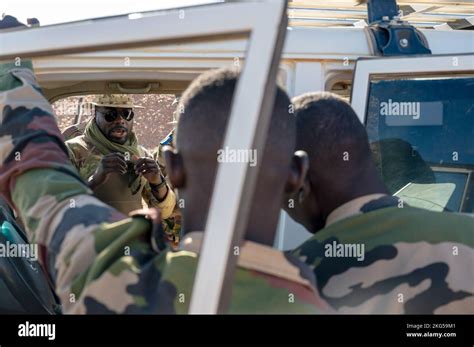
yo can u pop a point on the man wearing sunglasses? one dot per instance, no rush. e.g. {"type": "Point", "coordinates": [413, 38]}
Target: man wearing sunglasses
{"type": "Point", "coordinates": [119, 171]}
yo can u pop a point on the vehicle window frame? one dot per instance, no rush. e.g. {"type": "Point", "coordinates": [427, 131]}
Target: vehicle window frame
{"type": "Point", "coordinates": [369, 69]}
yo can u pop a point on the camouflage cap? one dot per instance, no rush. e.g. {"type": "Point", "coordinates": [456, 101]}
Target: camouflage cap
{"type": "Point", "coordinates": [114, 100]}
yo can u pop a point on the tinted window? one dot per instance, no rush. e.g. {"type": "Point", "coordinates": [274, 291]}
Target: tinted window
{"type": "Point", "coordinates": [422, 135]}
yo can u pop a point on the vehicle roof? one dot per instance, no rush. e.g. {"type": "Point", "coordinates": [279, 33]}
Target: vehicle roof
{"type": "Point", "coordinates": [439, 15]}
{"type": "Point", "coordinates": [318, 43]}
{"type": "Point", "coordinates": [303, 43]}
{"type": "Point", "coordinates": [427, 14]}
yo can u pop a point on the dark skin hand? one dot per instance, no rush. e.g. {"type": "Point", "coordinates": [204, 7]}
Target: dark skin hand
{"type": "Point", "coordinates": [149, 168]}
{"type": "Point", "coordinates": [115, 162]}
{"type": "Point", "coordinates": [118, 131]}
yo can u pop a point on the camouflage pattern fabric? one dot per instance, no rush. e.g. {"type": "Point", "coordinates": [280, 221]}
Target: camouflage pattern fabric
{"type": "Point", "coordinates": [414, 261]}
{"type": "Point", "coordinates": [114, 100]}
{"type": "Point", "coordinates": [174, 222]}
{"type": "Point", "coordinates": [172, 227]}
{"type": "Point", "coordinates": [74, 131]}
{"type": "Point", "coordinates": [86, 158]}
{"type": "Point", "coordinates": [266, 280]}
{"type": "Point", "coordinates": [100, 260]}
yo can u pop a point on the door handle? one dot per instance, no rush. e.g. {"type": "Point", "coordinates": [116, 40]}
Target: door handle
{"type": "Point", "coordinates": [125, 90]}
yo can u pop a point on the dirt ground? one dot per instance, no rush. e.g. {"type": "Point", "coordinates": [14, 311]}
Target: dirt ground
{"type": "Point", "coordinates": [151, 124]}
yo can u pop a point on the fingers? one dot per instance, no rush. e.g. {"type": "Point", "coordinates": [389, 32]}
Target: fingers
{"type": "Point", "coordinates": [145, 169]}
{"type": "Point", "coordinates": [114, 162]}
{"type": "Point", "coordinates": [142, 161]}
{"type": "Point", "coordinates": [146, 165]}
{"type": "Point", "coordinates": [115, 167]}
{"type": "Point", "coordinates": [114, 156]}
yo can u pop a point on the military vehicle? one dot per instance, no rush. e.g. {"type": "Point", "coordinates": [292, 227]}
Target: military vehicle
{"type": "Point", "coordinates": [408, 70]}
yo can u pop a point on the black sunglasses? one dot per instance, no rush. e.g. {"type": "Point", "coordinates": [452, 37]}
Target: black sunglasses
{"type": "Point", "coordinates": [112, 115]}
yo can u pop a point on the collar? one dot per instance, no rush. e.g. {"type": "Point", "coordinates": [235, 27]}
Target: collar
{"type": "Point", "coordinates": [351, 208]}
{"type": "Point", "coordinates": [256, 257]}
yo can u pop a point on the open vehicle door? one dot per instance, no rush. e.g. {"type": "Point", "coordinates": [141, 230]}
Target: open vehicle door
{"type": "Point", "coordinates": [264, 24]}
{"type": "Point", "coordinates": [419, 115]}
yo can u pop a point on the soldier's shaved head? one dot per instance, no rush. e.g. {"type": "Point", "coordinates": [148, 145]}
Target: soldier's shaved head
{"type": "Point", "coordinates": [335, 138]}
{"type": "Point", "coordinates": [203, 114]}
{"type": "Point", "coordinates": [340, 158]}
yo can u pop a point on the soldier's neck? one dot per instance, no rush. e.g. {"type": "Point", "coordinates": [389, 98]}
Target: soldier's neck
{"type": "Point", "coordinates": [263, 220]}
{"type": "Point", "coordinates": [367, 185]}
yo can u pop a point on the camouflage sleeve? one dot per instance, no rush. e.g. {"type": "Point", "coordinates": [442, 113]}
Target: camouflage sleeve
{"type": "Point", "coordinates": [91, 252]}
{"type": "Point", "coordinates": [72, 156]}
{"type": "Point", "coordinates": [74, 131]}
{"type": "Point", "coordinates": [166, 206]}
{"type": "Point", "coordinates": [172, 227]}
{"type": "Point", "coordinates": [172, 222]}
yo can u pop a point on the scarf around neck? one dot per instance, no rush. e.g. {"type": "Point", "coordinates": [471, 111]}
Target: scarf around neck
{"type": "Point", "coordinates": [94, 135]}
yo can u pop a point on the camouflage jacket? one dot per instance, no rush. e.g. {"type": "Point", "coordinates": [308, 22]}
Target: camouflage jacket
{"type": "Point", "coordinates": [86, 158]}
{"type": "Point", "coordinates": [99, 260]}
{"type": "Point", "coordinates": [74, 130]}
{"type": "Point", "coordinates": [377, 256]}
{"type": "Point", "coordinates": [174, 222]}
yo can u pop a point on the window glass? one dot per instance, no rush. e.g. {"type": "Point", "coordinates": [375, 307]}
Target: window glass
{"type": "Point", "coordinates": [421, 132]}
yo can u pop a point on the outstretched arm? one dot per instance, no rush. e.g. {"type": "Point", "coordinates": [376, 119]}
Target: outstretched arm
{"type": "Point", "coordinates": [87, 248]}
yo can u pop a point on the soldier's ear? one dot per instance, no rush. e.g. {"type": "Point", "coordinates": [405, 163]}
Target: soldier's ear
{"type": "Point", "coordinates": [174, 167]}
{"type": "Point", "coordinates": [298, 171]}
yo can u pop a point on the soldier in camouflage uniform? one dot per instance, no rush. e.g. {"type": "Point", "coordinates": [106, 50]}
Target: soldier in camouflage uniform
{"type": "Point", "coordinates": [103, 155]}
{"type": "Point", "coordinates": [371, 253]}
{"type": "Point", "coordinates": [74, 130]}
{"type": "Point", "coordinates": [121, 173]}
{"type": "Point", "coordinates": [100, 260]}
{"type": "Point", "coordinates": [172, 224]}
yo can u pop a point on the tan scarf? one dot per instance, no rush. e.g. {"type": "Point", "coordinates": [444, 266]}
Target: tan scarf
{"type": "Point", "coordinates": [94, 135]}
